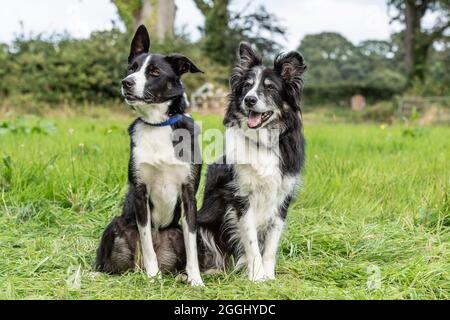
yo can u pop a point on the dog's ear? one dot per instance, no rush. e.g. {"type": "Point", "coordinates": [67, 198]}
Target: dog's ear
{"type": "Point", "coordinates": [140, 43]}
{"type": "Point", "coordinates": [182, 64]}
{"type": "Point", "coordinates": [247, 56]}
{"type": "Point", "coordinates": [290, 66]}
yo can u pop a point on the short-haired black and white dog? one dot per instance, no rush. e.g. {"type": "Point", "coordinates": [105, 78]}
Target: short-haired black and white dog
{"type": "Point", "coordinates": [163, 177]}
{"type": "Point", "coordinates": [249, 190]}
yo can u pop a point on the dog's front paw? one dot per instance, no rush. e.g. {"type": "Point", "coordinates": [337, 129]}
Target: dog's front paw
{"type": "Point", "coordinates": [152, 269]}
{"type": "Point", "coordinates": [195, 281]}
{"type": "Point", "coordinates": [269, 268]}
{"type": "Point", "coordinates": [270, 276]}
{"type": "Point", "coordinates": [257, 276]}
{"type": "Point", "coordinates": [270, 272]}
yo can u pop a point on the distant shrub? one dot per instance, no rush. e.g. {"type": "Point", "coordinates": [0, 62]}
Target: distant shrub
{"type": "Point", "coordinates": [340, 93]}
{"type": "Point", "coordinates": [380, 112]}
{"type": "Point", "coordinates": [60, 70]}
{"type": "Point", "coordinates": [69, 71]}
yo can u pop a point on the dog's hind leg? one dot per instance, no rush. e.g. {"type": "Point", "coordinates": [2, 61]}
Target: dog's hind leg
{"type": "Point", "coordinates": [116, 255]}
{"type": "Point", "coordinates": [120, 249]}
{"type": "Point", "coordinates": [117, 250]}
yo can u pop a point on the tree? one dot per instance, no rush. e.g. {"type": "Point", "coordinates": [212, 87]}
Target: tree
{"type": "Point", "coordinates": [216, 30]}
{"type": "Point", "coordinates": [223, 30]}
{"type": "Point", "coordinates": [261, 29]}
{"type": "Point", "coordinates": [333, 57]}
{"type": "Point", "coordinates": [339, 69]}
{"type": "Point", "coordinates": [157, 15]}
{"type": "Point", "coordinates": [382, 54]}
{"type": "Point", "coordinates": [417, 39]}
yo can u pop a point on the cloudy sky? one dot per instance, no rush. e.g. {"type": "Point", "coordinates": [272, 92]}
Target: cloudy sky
{"type": "Point", "coordinates": [355, 19]}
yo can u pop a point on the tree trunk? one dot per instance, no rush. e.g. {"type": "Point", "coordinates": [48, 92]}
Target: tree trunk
{"type": "Point", "coordinates": [166, 18]}
{"type": "Point", "coordinates": [215, 29]}
{"type": "Point", "coordinates": [158, 16]}
{"type": "Point", "coordinates": [410, 32]}
{"type": "Point", "coordinates": [417, 42]}
{"type": "Point", "coordinates": [143, 15]}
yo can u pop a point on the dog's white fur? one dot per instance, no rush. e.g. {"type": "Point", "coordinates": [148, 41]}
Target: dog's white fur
{"type": "Point", "coordinates": [259, 229]}
{"type": "Point", "coordinates": [140, 79]}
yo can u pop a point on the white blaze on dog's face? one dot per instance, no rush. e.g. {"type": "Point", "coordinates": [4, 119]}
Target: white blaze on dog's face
{"type": "Point", "coordinates": [258, 99]}
{"type": "Point", "coordinates": [153, 78]}
{"type": "Point", "coordinates": [265, 95]}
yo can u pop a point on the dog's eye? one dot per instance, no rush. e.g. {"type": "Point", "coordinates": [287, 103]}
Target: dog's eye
{"type": "Point", "coordinates": [154, 72]}
{"type": "Point", "coordinates": [270, 86]}
{"type": "Point", "coordinates": [133, 67]}
{"type": "Point", "coordinates": [247, 85]}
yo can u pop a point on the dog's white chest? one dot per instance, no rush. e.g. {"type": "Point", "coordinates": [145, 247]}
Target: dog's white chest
{"type": "Point", "coordinates": [159, 169]}
{"type": "Point", "coordinates": [260, 180]}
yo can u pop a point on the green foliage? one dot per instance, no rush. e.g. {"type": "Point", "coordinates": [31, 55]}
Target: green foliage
{"type": "Point", "coordinates": [6, 173]}
{"type": "Point", "coordinates": [339, 69]}
{"type": "Point", "coordinates": [437, 82]}
{"type": "Point", "coordinates": [380, 112]}
{"type": "Point", "coordinates": [411, 127]}
{"type": "Point", "coordinates": [216, 29]}
{"type": "Point", "coordinates": [260, 28]}
{"type": "Point", "coordinates": [126, 10]}
{"type": "Point", "coordinates": [27, 126]}
{"type": "Point", "coordinates": [339, 65]}
{"type": "Point", "coordinates": [70, 71]}
{"type": "Point", "coordinates": [419, 37]}
{"type": "Point", "coordinates": [223, 30]}
{"type": "Point", "coordinates": [66, 70]}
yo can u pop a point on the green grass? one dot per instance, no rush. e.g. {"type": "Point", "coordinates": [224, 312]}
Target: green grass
{"type": "Point", "coordinates": [373, 199]}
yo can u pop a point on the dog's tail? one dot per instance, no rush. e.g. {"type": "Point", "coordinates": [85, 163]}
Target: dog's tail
{"type": "Point", "coordinates": [120, 251]}
{"type": "Point", "coordinates": [211, 256]}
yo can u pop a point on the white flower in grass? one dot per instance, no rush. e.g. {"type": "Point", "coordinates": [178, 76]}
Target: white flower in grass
{"type": "Point", "coordinates": [74, 279]}
{"type": "Point", "coordinates": [374, 277]}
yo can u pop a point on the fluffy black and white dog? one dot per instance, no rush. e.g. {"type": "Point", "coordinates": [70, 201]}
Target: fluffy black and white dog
{"type": "Point", "coordinates": [163, 172]}
{"type": "Point", "coordinates": [249, 190]}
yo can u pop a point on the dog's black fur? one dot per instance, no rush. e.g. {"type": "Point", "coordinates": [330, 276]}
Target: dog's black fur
{"type": "Point", "coordinates": [120, 245]}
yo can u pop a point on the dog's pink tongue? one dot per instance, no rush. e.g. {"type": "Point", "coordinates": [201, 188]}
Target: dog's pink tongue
{"type": "Point", "coordinates": [254, 119]}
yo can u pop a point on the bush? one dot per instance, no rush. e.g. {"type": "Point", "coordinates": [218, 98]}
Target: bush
{"type": "Point", "coordinates": [61, 70]}
{"type": "Point", "coordinates": [380, 112]}
{"type": "Point", "coordinates": [340, 93]}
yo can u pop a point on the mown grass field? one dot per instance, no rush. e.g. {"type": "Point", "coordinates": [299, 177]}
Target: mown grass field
{"type": "Point", "coordinates": [372, 221]}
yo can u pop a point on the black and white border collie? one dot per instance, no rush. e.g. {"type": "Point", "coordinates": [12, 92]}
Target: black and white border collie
{"type": "Point", "coordinates": [162, 180]}
{"type": "Point", "coordinates": [248, 191]}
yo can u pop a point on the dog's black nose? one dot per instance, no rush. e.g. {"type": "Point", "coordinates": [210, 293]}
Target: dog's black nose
{"type": "Point", "coordinates": [250, 101]}
{"type": "Point", "coordinates": [127, 83]}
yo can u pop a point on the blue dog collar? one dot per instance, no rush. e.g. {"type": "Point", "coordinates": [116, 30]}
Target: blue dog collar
{"type": "Point", "coordinates": [168, 122]}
